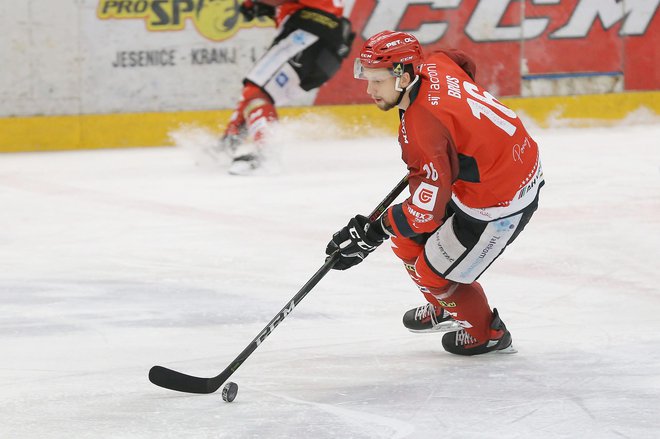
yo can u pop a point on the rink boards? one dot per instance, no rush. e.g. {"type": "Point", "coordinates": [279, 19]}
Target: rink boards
{"type": "Point", "coordinates": [51, 133]}
{"type": "Point", "coordinates": [104, 73]}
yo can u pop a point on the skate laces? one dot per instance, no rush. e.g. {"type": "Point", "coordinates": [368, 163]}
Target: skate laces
{"type": "Point", "coordinates": [426, 311]}
{"type": "Point", "coordinates": [464, 339]}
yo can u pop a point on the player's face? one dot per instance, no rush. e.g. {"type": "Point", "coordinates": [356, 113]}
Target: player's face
{"type": "Point", "coordinates": [381, 84]}
{"type": "Point", "coordinates": [382, 91]}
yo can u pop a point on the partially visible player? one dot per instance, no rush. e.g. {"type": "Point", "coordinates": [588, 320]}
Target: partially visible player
{"type": "Point", "coordinates": [474, 177]}
{"type": "Point", "coordinates": [313, 38]}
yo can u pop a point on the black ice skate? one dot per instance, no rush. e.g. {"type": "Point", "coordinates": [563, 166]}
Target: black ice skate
{"type": "Point", "coordinates": [462, 343]}
{"type": "Point", "coordinates": [230, 142]}
{"type": "Point", "coordinates": [227, 145]}
{"type": "Point", "coordinates": [246, 159]}
{"type": "Point", "coordinates": [234, 136]}
{"type": "Point", "coordinates": [244, 164]}
{"type": "Point", "coordinates": [428, 318]}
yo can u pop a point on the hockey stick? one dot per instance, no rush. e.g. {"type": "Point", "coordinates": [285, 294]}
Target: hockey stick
{"type": "Point", "coordinates": [171, 379]}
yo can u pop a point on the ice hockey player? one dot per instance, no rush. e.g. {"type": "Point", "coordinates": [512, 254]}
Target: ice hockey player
{"type": "Point", "coordinates": [474, 180]}
{"type": "Point", "coordinates": [312, 40]}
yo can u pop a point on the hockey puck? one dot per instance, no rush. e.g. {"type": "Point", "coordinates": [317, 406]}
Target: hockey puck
{"type": "Point", "coordinates": [229, 391]}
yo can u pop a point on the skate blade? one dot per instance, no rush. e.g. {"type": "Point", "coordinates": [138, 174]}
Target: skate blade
{"type": "Point", "coordinates": [243, 168]}
{"type": "Point", "coordinates": [507, 350]}
{"type": "Point", "coordinates": [441, 327]}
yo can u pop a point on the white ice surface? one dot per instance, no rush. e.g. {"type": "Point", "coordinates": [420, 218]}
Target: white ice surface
{"type": "Point", "coordinates": [113, 261]}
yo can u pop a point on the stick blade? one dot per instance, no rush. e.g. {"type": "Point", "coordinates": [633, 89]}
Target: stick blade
{"type": "Point", "coordinates": [173, 380]}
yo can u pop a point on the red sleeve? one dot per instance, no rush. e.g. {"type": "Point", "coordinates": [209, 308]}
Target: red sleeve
{"type": "Point", "coordinates": [288, 7]}
{"type": "Point", "coordinates": [330, 6]}
{"type": "Point", "coordinates": [432, 165]}
{"type": "Point", "coordinates": [275, 2]}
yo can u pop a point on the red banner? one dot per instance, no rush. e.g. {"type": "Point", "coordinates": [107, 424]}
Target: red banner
{"type": "Point", "coordinates": [513, 41]}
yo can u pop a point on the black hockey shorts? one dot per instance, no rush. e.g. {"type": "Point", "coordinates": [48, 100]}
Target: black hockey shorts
{"type": "Point", "coordinates": [306, 53]}
{"type": "Point", "coordinates": [463, 248]}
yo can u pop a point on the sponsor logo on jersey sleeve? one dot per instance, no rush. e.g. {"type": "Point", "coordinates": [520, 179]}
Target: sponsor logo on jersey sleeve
{"type": "Point", "coordinates": [419, 216]}
{"type": "Point", "coordinates": [425, 196]}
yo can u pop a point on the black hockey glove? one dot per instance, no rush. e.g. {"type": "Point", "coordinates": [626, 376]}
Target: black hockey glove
{"type": "Point", "coordinates": [356, 241]}
{"type": "Point", "coordinates": [251, 10]}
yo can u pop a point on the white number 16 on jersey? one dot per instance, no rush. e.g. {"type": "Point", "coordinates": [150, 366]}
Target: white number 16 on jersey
{"type": "Point", "coordinates": [479, 107]}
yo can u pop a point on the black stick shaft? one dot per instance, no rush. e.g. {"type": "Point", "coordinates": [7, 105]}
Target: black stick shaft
{"type": "Point", "coordinates": [186, 383]}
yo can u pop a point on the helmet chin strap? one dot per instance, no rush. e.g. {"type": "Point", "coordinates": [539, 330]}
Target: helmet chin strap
{"type": "Point", "coordinates": [402, 91]}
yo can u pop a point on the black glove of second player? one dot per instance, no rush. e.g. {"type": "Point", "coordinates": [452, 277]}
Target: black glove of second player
{"type": "Point", "coordinates": [356, 241]}
{"type": "Point", "coordinates": [252, 9]}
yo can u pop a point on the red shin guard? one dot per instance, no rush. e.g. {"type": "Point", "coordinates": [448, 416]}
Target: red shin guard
{"type": "Point", "coordinates": [256, 109]}
{"type": "Point", "coordinates": [466, 302]}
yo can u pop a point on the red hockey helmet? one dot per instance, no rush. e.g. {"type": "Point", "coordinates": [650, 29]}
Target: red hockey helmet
{"type": "Point", "coordinates": [388, 50]}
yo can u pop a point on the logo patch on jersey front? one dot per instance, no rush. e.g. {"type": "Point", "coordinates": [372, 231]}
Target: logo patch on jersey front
{"type": "Point", "coordinates": [425, 196]}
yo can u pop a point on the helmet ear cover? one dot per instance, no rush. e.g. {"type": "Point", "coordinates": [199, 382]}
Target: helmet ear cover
{"type": "Point", "coordinates": [398, 69]}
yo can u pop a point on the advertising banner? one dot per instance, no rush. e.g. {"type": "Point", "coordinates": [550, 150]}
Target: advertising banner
{"type": "Point", "coordinates": [530, 47]}
{"type": "Point", "coordinates": [65, 57]}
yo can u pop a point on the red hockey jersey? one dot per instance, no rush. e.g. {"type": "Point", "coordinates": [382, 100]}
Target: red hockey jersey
{"type": "Point", "coordinates": [461, 146]}
{"type": "Point", "coordinates": [286, 8]}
